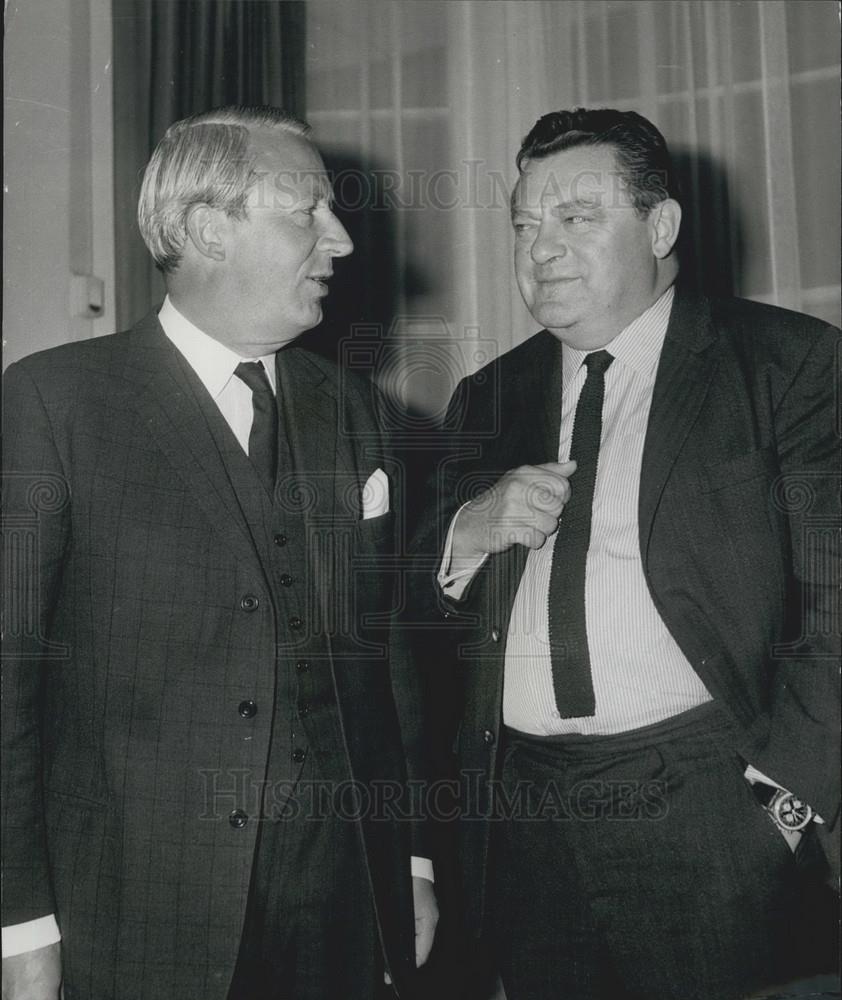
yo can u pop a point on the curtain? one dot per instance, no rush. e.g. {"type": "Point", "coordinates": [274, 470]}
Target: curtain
{"type": "Point", "coordinates": [423, 105]}
{"type": "Point", "coordinates": [173, 58]}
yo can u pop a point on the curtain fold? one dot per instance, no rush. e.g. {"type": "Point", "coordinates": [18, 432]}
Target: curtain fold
{"type": "Point", "coordinates": [173, 59]}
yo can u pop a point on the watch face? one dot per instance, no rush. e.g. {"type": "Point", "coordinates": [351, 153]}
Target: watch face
{"type": "Point", "coordinates": [790, 812]}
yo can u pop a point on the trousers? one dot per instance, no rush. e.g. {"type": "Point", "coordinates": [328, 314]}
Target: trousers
{"type": "Point", "coordinates": [310, 930]}
{"type": "Point", "coordinates": [638, 866]}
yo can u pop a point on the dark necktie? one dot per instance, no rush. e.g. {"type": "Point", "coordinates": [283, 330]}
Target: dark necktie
{"type": "Point", "coordinates": [263, 439]}
{"type": "Point", "coordinates": [569, 655]}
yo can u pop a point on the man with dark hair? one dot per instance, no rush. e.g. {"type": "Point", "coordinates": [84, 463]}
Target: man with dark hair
{"type": "Point", "coordinates": [636, 552]}
{"type": "Point", "coordinates": [198, 709]}
{"type": "Point", "coordinates": [643, 160]}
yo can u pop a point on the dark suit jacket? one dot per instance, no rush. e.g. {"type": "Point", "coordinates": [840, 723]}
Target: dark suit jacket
{"type": "Point", "coordinates": [130, 646]}
{"type": "Point", "coordinates": [739, 514]}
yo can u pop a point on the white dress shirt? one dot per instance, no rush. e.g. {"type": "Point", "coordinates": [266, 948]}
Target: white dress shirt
{"type": "Point", "coordinates": [640, 676]}
{"type": "Point", "coordinates": [215, 363]}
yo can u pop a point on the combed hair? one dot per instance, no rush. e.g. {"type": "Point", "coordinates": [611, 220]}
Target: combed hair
{"type": "Point", "coordinates": [203, 159]}
{"type": "Point", "coordinates": [641, 151]}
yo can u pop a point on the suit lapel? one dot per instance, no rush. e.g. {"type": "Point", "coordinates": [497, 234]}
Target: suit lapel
{"type": "Point", "coordinates": [547, 402]}
{"type": "Point", "coordinates": [530, 436]}
{"type": "Point", "coordinates": [687, 365]}
{"type": "Point", "coordinates": [309, 417]}
{"type": "Point", "coordinates": [170, 399]}
{"type": "Point", "coordinates": [535, 387]}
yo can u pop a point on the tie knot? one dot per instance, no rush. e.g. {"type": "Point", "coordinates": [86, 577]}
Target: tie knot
{"type": "Point", "coordinates": [598, 362]}
{"type": "Point", "coordinates": [254, 375]}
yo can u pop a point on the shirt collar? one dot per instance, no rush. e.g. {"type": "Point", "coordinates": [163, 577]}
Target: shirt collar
{"type": "Point", "coordinates": [210, 359]}
{"type": "Point", "coordinates": [637, 346]}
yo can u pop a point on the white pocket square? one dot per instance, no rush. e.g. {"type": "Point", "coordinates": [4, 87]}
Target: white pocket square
{"type": "Point", "coordinates": [376, 495]}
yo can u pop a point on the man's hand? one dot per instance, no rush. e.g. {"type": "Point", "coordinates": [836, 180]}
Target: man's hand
{"type": "Point", "coordinates": [33, 975]}
{"type": "Point", "coordinates": [521, 508]}
{"type": "Point", "coordinates": [426, 917]}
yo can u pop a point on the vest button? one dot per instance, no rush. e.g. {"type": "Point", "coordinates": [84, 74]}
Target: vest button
{"type": "Point", "coordinates": [488, 738]}
{"type": "Point", "coordinates": [298, 755]}
{"type": "Point", "coordinates": [286, 580]}
{"type": "Point", "coordinates": [304, 710]}
{"type": "Point", "coordinates": [248, 709]}
{"type": "Point", "coordinates": [249, 602]}
{"type": "Point", "coordinates": [302, 666]}
{"type": "Point", "coordinates": [495, 635]}
{"type": "Point", "coordinates": [280, 539]}
{"type": "Point", "coordinates": [295, 623]}
{"type": "Point", "coordinates": [238, 819]}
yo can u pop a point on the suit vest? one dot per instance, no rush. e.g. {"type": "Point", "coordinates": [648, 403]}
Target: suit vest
{"type": "Point", "coordinates": [287, 541]}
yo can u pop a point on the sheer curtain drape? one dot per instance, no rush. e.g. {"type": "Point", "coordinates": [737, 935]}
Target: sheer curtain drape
{"type": "Point", "coordinates": [173, 58]}
{"type": "Point", "coordinates": [429, 100]}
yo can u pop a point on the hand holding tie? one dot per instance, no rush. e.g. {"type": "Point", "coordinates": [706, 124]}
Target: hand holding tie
{"type": "Point", "coordinates": [521, 508]}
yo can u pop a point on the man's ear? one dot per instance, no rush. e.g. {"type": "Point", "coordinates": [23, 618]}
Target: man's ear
{"type": "Point", "coordinates": [205, 231]}
{"type": "Point", "coordinates": [665, 220]}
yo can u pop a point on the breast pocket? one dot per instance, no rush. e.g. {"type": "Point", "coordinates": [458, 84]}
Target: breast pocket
{"type": "Point", "coordinates": [376, 532]}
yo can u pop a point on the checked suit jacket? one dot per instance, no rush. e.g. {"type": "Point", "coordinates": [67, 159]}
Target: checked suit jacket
{"type": "Point", "coordinates": [738, 529]}
{"type": "Point", "coordinates": [139, 617]}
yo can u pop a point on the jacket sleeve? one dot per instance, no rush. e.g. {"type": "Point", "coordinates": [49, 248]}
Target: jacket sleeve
{"type": "Point", "coordinates": [802, 751]}
{"type": "Point", "coordinates": [36, 517]}
{"type": "Point", "coordinates": [424, 649]}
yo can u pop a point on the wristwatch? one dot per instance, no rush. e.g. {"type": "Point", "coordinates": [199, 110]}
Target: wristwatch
{"type": "Point", "coordinates": [789, 813]}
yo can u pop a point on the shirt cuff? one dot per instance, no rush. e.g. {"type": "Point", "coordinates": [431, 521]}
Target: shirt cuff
{"type": "Point", "coordinates": [455, 584]}
{"type": "Point", "coordinates": [30, 935]}
{"type": "Point", "coordinates": [422, 868]}
{"type": "Point", "coordinates": [753, 775]}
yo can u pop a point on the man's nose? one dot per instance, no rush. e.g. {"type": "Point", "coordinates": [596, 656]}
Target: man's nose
{"type": "Point", "coordinates": [336, 240]}
{"type": "Point", "coordinates": [548, 243]}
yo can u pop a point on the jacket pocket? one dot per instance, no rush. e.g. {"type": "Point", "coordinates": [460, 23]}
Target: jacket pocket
{"type": "Point", "coordinates": [377, 531]}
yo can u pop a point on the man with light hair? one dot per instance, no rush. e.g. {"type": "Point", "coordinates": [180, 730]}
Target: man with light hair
{"type": "Point", "coordinates": [190, 651]}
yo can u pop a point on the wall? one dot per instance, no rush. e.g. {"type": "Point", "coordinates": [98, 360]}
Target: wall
{"type": "Point", "coordinates": [57, 116]}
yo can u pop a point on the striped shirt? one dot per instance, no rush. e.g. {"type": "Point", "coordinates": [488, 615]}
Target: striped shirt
{"type": "Point", "coordinates": [640, 676]}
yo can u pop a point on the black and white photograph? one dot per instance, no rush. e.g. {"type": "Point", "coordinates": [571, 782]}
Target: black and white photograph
{"type": "Point", "coordinates": [421, 500]}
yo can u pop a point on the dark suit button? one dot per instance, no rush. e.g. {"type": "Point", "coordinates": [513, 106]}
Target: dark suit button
{"type": "Point", "coordinates": [488, 737]}
{"type": "Point", "coordinates": [302, 666]}
{"type": "Point", "coordinates": [238, 819]}
{"type": "Point", "coordinates": [247, 709]}
{"type": "Point", "coordinates": [298, 755]}
{"type": "Point", "coordinates": [295, 623]}
{"type": "Point", "coordinates": [495, 635]}
{"type": "Point", "coordinates": [280, 539]}
{"type": "Point", "coordinates": [249, 602]}
{"type": "Point", "coordinates": [304, 710]}
{"type": "Point", "coordinates": [286, 580]}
